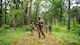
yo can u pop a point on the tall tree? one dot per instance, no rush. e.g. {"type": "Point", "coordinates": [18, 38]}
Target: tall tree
{"type": "Point", "coordinates": [68, 14]}
{"type": "Point", "coordinates": [37, 7]}
{"type": "Point", "coordinates": [26, 10]}
{"type": "Point", "coordinates": [16, 12]}
{"type": "Point", "coordinates": [61, 11]}
{"type": "Point", "coordinates": [0, 12]}
{"type": "Point", "coordinates": [22, 13]}
{"type": "Point", "coordinates": [5, 10]}
{"type": "Point", "coordinates": [30, 11]}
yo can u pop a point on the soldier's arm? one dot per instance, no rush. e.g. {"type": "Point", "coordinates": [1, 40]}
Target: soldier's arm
{"type": "Point", "coordinates": [43, 23]}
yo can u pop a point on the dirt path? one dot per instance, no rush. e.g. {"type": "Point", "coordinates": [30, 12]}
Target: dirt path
{"type": "Point", "coordinates": [29, 39]}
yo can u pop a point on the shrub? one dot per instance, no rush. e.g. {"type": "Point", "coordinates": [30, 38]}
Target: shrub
{"type": "Point", "coordinates": [76, 29]}
{"type": "Point", "coordinates": [26, 28]}
{"type": "Point", "coordinates": [3, 28]}
{"type": "Point", "coordinates": [58, 28]}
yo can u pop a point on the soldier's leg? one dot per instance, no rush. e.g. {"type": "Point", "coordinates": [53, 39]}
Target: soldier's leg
{"type": "Point", "coordinates": [42, 32]}
{"type": "Point", "coordinates": [39, 34]}
{"type": "Point", "coordinates": [46, 30]}
{"type": "Point", "coordinates": [50, 31]}
{"type": "Point", "coordinates": [31, 31]}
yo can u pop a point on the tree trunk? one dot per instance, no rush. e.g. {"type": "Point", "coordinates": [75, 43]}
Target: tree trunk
{"type": "Point", "coordinates": [73, 21]}
{"type": "Point", "coordinates": [37, 13]}
{"type": "Point", "coordinates": [61, 12]}
{"type": "Point", "coordinates": [68, 14]}
{"type": "Point", "coordinates": [64, 21]}
{"type": "Point", "coordinates": [22, 14]}
{"type": "Point", "coordinates": [0, 13]}
{"type": "Point", "coordinates": [5, 11]}
{"type": "Point", "coordinates": [37, 10]}
{"type": "Point", "coordinates": [54, 21]}
{"type": "Point", "coordinates": [30, 11]}
{"type": "Point", "coordinates": [26, 12]}
{"type": "Point", "coordinates": [15, 21]}
{"type": "Point", "coordinates": [60, 17]}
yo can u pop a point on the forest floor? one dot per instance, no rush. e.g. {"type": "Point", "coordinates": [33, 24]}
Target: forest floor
{"type": "Point", "coordinates": [21, 36]}
{"type": "Point", "coordinates": [29, 39]}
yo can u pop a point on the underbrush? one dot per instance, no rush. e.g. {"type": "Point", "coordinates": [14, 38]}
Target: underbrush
{"type": "Point", "coordinates": [76, 29]}
{"type": "Point", "coordinates": [8, 36]}
{"type": "Point", "coordinates": [59, 28]}
{"type": "Point", "coordinates": [69, 37]}
{"type": "Point", "coordinates": [3, 28]}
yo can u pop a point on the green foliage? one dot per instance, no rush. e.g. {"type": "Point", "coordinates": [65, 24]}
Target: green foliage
{"type": "Point", "coordinates": [76, 29]}
{"type": "Point", "coordinates": [75, 13]}
{"type": "Point", "coordinates": [11, 35]}
{"type": "Point", "coordinates": [60, 32]}
{"type": "Point", "coordinates": [34, 17]}
{"type": "Point", "coordinates": [11, 17]}
{"type": "Point", "coordinates": [4, 28]}
{"type": "Point", "coordinates": [25, 28]}
{"type": "Point", "coordinates": [68, 38]}
{"type": "Point", "coordinates": [53, 10]}
{"type": "Point", "coordinates": [59, 28]}
{"type": "Point", "coordinates": [63, 35]}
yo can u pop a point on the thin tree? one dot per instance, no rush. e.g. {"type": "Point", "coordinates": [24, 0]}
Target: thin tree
{"type": "Point", "coordinates": [0, 12]}
{"type": "Point", "coordinates": [22, 14]}
{"type": "Point", "coordinates": [37, 7]}
{"type": "Point", "coordinates": [30, 11]}
{"type": "Point", "coordinates": [68, 14]}
{"type": "Point", "coordinates": [61, 9]}
{"type": "Point", "coordinates": [26, 12]}
{"type": "Point", "coordinates": [5, 10]}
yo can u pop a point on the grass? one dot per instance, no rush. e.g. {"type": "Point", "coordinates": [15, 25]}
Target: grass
{"type": "Point", "coordinates": [68, 37]}
{"type": "Point", "coordinates": [59, 34]}
{"type": "Point", "coordinates": [11, 35]}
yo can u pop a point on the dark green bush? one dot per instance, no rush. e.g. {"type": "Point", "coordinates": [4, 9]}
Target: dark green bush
{"type": "Point", "coordinates": [3, 28]}
{"type": "Point", "coordinates": [76, 29]}
{"type": "Point", "coordinates": [58, 28]}
{"type": "Point", "coordinates": [26, 28]}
